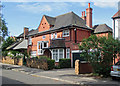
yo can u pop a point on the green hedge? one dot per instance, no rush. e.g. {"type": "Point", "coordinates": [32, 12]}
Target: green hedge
{"type": "Point", "coordinates": [65, 63]}
{"type": "Point", "coordinates": [51, 64]}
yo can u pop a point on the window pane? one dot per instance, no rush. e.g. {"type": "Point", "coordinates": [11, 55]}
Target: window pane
{"type": "Point", "coordinates": [60, 50]}
{"type": "Point", "coordinates": [68, 53]}
{"type": "Point", "coordinates": [45, 44]}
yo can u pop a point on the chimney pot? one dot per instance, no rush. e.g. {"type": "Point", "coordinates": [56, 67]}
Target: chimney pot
{"type": "Point", "coordinates": [88, 5]}
{"type": "Point", "coordinates": [26, 30]}
{"type": "Point", "coordinates": [82, 13]}
{"type": "Point", "coordinates": [89, 16]}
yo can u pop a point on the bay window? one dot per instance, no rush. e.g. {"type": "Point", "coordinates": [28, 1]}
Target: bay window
{"type": "Point", "coordinates": [57, 54]}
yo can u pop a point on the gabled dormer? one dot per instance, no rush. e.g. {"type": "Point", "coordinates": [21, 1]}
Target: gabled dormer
{"type": "Point", "coordinates": [46, 23]}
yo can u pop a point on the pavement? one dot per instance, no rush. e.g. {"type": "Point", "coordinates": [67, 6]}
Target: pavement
{"type": "Point", "coordinates": [63, 75]}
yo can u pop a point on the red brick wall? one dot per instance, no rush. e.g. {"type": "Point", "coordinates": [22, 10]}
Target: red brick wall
{"type": "Point", "coordinates": [69, 41]}
{"type": "Point", "coordinates": [103, 34]}
{"type": "Point", "coordinates": [44, 25]}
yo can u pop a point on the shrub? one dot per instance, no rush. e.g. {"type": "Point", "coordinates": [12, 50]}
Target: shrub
{"type": "Point", "coordinates": [51, 64]}
{"type": "Point", "coordinates": [65, 63]}
{"type": "Point", "coordinates": [4, 53]}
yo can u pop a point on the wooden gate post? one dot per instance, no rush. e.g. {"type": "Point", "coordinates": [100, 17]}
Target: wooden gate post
{"type": "Point", "coordinates": [77, 67]}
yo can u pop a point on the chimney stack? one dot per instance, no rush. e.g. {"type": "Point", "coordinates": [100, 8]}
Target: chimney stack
{"type": "Point", "coordinates": [89, 16]}
{"type": "Point", "coordinates": [83, 16]}
{"type": "Point", "coordinates": [26, 30]}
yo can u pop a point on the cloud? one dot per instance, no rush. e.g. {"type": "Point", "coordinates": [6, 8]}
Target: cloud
{"type": "Point", "coordinates": [34, 8]}
{"type": "Point", "coordinates": [83, 4]}
{"type": "Point", "coordinates": [43, 7]}
{"type": "Point", "coordinates": [59, 0]}
{"type": "Point", "coordinates": [106, 4]}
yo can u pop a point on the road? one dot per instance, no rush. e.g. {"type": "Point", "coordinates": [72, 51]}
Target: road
{"type": "Point", "coordinates": [14, 77]}
{"type": "Point", "coordinates": [65, 77]}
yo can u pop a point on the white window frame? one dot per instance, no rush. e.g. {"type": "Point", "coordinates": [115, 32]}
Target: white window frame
{"type": "Point", "coordinates": [33, 53]}
{"type": "Point", "coordinates": [57, 54]}
{"type": "Point", "coordinates": [65, 33]}
{"type": "Point", "coordinates": [40, 51]}
{"type": "Point", "coordinates": [43, 37]}
{"type": "Point", "coordinates": [43, 44]}
{"type": "Point", "coordinates": [67, 53]}
{"type": "Point", "coordinates": [52, 36]}
{"type": "Point", "coordinates": [55, 35]}
{"type": "Point", "coordinates": [29, 41]}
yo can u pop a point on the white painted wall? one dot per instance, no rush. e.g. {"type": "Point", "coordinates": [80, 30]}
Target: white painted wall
{"type": "Point", "coordinates": [117, 28]}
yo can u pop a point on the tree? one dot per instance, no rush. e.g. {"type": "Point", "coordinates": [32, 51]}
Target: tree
{"type": "Point", "coordinates": [3, 27]}
{"type": "Point", "coordinates": [7, 43]}
{"type": "Point", "coordinates": [99, 51]}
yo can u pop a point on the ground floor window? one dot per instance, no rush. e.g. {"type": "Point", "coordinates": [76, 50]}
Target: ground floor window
{"type": "Point", "coordinates": [68, 53]}
{"type": "Point", "coordinates": [33, 53]}
{"type": "Point", "coordinates": [57, 54]}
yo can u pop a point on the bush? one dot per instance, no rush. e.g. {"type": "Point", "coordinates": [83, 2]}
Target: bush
{"type": "Point", "coordinates": [65, 63]}
{"type": "Point", "coordinates": [51, 64]}
{"type": "Point", "coordinates": [4, 53]}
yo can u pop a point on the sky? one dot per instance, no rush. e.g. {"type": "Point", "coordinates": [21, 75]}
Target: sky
{"type": "Point", "coordinates": [20, 14]}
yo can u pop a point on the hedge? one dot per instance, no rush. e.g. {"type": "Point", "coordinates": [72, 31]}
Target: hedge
{"type": "Point", "coordinates": [41, 62]}
{"type": "Point", "coordinates": [65, 63]}
{"type": "Point", "coordinates": [51, 64]}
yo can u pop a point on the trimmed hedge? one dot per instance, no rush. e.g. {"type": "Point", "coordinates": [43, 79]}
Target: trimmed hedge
{"type": "Point", "coordinates": [65, 63]}
{"type": "Point", "coordinates": [51, 64]}
{"type": "Point", "coordinates": [41, 63]}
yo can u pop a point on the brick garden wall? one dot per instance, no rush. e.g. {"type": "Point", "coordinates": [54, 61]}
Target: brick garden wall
{"type": "Point", "coordinates": [15, 61]}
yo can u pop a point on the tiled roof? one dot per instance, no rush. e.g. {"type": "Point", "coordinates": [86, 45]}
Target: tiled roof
{"type": "Point", "coordinates": [13, 45]}
{"type": "Point", "coordinates": [51, 20]}
{"type": "Point", "coordinates": [117, 14]}
{"type": "Point", "coordinates": [102, 28]}
{"type": "Point", "coordinates": [57, 43]}
{"type": "Point", "coordinates": [31, 32]}
{"type": "Point", "coordinates": [65, 20]}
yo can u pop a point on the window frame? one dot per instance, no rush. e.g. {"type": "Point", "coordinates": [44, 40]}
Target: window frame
{"type": "Point", "coordinates": [55, 34]}
{"type": "Point", "coordinates": [65, 33]}
{"type": "Point", "coordinates": [40, 51]}
{"type": "Point", "coordinates": [29, 41]}
{"type": "Point", "coordinates": [33, 54]}
{"type": "Point", "coordinates": [67, 53]}
{"type": "Point", "coordinates": [52, 36]}
{"type": "Point", "coordinates": [58, 54]}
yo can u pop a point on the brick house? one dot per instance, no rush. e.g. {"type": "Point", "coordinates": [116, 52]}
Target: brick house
{"type": "Point", "coordinates": [58, 37]}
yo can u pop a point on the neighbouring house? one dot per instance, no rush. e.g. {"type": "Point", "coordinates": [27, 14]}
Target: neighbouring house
{"type": "Point", "coordinates": [116, 29]}
{"type": "Point", "coordinates": [102, 30]}
{"type": "Point", "coordinates": [116, 25]}
{"type": "Point", "coordinates": [58, 37]}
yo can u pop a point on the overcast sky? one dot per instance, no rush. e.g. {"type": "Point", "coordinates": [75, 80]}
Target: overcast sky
{"type": "Point", "coordinates": [28, 14]}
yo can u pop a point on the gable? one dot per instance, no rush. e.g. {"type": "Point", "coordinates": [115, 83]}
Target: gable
{"type": "Point", "coordinates": [116, 15]}
{"type": "Point", "coordinates": [44, 25]}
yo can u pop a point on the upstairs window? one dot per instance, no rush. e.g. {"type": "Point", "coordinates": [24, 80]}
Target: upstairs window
{"type": "Point", "coordinates": [29, 41]}
{"type": "Point", "coordinates": [65, 33]}
{"type": "Point", "coordinates": [52, 36]}
{"type": "Point", "coordinates": [43, 37]}
{"type": "Point", "coordinates": [55, 35]}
